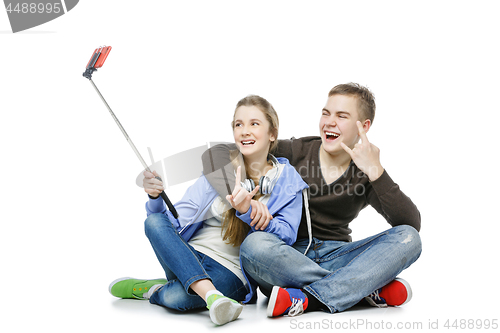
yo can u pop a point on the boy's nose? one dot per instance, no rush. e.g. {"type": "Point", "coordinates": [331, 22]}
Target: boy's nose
{"type": "Point", "coordinates": [331, 122]}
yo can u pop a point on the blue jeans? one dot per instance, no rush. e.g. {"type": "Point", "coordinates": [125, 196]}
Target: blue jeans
{"type": "Point", "coordinates": [339, 274]}
{"type": "Point", "coordinates": [183, 265]}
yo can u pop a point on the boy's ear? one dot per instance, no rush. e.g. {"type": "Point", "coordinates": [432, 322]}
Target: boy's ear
{"type": "Point", "coordinates": [367, 123]}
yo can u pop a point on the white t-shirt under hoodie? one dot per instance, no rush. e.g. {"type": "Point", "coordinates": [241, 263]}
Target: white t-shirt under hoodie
{"type": "Point", "coordinates": [208, 240]}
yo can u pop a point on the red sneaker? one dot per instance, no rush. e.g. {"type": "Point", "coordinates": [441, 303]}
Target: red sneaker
{"type": "Point", "coordinates": [286, 301]}
{"type": "Point", "coordinates": [396, 293]}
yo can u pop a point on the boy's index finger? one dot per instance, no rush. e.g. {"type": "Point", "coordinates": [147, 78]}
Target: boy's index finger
{"type": "Point", "coordinates": [347, 149]}
{"type": "Point", "coordinates": [362, 132]}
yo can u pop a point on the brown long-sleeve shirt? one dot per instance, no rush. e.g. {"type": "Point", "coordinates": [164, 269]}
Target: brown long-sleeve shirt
{"type": "Point", "coordinates": [332, 206]}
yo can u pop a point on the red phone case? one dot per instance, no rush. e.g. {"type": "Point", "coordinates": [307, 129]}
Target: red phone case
{"type": "Point", "coordinates": [101, 54]}
{"type": "Point", "coordinates": [102, 58]}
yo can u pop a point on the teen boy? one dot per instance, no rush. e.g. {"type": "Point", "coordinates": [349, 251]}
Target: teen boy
{"type": "Point", "coordinates": [344, 173]}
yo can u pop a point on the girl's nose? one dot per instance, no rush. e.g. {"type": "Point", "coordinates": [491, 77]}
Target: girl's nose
{"type": "Point", "coordinates": [246, 130]}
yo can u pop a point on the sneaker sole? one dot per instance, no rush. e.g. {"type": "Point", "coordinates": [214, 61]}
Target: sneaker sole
{"type": "Point", "coordinates": [408, 290]}
{"type": "Point", "coordinates": [224, 311]}
{"type": "Point", "coordinates": [272, 301]}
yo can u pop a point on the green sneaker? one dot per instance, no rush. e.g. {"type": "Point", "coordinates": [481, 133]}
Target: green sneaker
{"type": "Point", "coordinates": [133, 288]}
{"type": "Point", "coordinates": [223, 309]}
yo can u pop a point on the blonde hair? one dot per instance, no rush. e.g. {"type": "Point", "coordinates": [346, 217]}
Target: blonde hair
{"type": "Point", "coordinates": [234, 230]}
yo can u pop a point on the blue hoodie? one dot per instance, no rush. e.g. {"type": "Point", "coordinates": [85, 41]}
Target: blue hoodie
{"type": "Point", "coordinates": [285, 205]}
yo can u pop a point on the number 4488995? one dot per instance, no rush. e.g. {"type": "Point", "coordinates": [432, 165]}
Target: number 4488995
{"type": "Point", "coordinates": [33, 8]}
{"type": "Point", "coordinates": [471, 324]}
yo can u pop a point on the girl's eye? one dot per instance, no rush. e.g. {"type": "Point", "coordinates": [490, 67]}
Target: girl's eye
{"type": "Point", "coordinates": [237, 125]}
{"type": "Point", "coordinates": [255, 123]}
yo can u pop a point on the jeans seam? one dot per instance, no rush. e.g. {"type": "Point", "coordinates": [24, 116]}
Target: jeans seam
{"type": "Point", "coordinates": [194, 279]}
{"type": "Point", "coordinates": [235, 293]}
{"type": "Point", "coordinates": [190, 248]}
{"type": "Point", "coordinates": [353, 249]}
{"type": "Point", "coordinates": [349, 263]}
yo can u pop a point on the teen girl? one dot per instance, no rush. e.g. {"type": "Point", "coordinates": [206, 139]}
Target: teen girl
{"type": "Point", "coordinates": [199, 251]}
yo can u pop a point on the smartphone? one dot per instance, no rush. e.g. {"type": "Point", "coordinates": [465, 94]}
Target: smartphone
{"type": "Point", "coordinates": [98, 57]}
{"type": "Point", "coordinates": [102, 57]}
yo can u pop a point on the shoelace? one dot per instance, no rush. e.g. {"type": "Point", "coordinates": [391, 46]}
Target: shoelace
{"type": "Point", "coordinates": [376, 296]}
{"type": "Point", "coordinates": [296, 308]}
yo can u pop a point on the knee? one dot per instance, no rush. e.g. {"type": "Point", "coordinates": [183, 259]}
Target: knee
{"type": "Point", "coordinates": [174, 296]}
{"type": "Point", "coordinates": [154, 222]}
{"type": "Point", "coordinates": [259, 244]}
{"type": "Point", "coordinates": [176, 301]}
{"type": "Point", "coordinates": [410, 239]}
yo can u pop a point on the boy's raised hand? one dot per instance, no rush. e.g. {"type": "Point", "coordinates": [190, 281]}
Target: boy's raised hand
{"type": "Point", "coordinates": [365, 155]}
{"type": "Point", "coordinates": [240, 198]}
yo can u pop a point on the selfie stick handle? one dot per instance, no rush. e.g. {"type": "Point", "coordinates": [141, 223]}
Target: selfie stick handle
{"type": "Point", "coordinates": [162, 194]}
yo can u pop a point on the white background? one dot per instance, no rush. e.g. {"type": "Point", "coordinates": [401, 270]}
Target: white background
{"type": "Point", "coordinates": [72, 216]}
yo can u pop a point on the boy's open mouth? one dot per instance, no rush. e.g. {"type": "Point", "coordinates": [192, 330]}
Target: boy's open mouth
{"type": "Point", "coordinates": [331, 135]}
{"type": "Point", "coordinates": [247, 142]}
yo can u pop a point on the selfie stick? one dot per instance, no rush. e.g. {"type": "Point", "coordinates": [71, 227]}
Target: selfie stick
{"type": "Point", "coordinates": [96, 61]}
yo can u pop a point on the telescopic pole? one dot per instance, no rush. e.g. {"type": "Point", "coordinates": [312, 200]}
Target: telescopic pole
{"type": "Point", "coordinates": [162, 194]}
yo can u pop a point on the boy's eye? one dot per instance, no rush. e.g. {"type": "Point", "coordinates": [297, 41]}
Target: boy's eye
{"type": "Point", "coordinates": [237, 125]}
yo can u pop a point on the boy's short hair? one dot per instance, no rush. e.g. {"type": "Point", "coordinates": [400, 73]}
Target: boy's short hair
{"type": "Point", "coordinates": [366, 99]}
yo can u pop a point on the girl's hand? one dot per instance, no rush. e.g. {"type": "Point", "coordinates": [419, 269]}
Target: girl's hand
{"type": "Point", "coordinates": [152, 186]}
{"type": "Point", "coordinates": [240, 198]}
{"type": "Point", "coordinates": [260, 215]}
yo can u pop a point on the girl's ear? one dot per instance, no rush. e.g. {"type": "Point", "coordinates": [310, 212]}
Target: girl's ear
{"type": "Point", "coordinates": [273, 136]}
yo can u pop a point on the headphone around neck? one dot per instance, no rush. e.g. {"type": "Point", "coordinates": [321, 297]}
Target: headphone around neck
{"type": "Point", "coordinates": [266, 184]}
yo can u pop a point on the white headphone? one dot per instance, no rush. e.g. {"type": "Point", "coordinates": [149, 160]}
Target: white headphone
{"type": "Point", "coordinates": [266, 184]}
